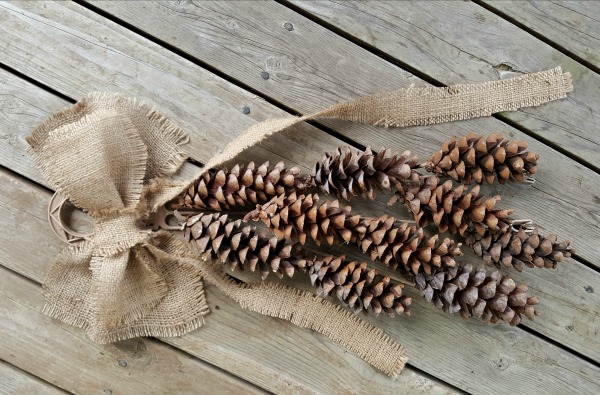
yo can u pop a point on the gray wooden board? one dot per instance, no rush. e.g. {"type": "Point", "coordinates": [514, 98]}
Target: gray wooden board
{"type": "Point", "coordinates": [185, 70]}
{"type": "Point", "coordinates": [572, 25]}
{"type": "Point", "coordinates": [15, 381]}
{"type": "Point", "coordinates": [273, 354]}
{"type": "Point", "coordinates": [237, 39]}
{"type": "Point", "coordinates": [63, 356]}
{"type": "Point", "coordinates": [310, 66]}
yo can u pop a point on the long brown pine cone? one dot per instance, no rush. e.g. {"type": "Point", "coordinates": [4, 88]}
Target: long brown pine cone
{"type": "Point", "coordinates": [346, 174]}
{"type": "Point", "coordinates": [519, 249]}
{"type": "Point", "coordinates": [359, 287]}
{"type": "Point", "coordinates": [452, 209]}
{"type": "Point", "coordinates": [354, 284]}
{"type": "Point", "coordinates": [386, 239]}
{"type": "Point", "coordinates": [240, 246]}
{"type": "Point", "coordinates": [241, 186]}
{"type": "Point", "coordinates": [471, 292]}
{"type": "Point", "coordinates": [475, 158]}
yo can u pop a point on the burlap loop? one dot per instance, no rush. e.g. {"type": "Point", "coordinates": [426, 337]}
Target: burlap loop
{"type": "Point", "coordinates": [112, 156]}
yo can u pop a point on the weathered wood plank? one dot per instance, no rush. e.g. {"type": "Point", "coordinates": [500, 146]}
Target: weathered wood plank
{"type": "Point", "coordinates": [15, 381]}
{"type": "Point", "coordinates": [273, 354]}
{"type": "Point", "coordinates": [237, 39]}
{"type": "Point", "coordinates": [19, 113]}
{"type": "Point", "coordinates": [63, 356]}
{"type": "Point", "coordinates": [573, 25]}
{"type": "Point", "coordinates": [131, 86]}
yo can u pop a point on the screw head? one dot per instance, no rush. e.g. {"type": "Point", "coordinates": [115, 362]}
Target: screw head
{"type": "Point", "coordinates": [288, 26]}
{"type": "Point", "coordinates": [246, 110]}
{"type": "Point", "coordinates": [122, 362]}
{"type": "Point", "coordinates": [264, 75]}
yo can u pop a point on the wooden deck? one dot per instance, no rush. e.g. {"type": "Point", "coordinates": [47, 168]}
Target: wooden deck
{"type": "Point", "coordinates": [201, 63]}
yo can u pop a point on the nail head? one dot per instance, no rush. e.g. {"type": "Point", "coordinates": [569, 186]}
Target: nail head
{"type": "Point", "coordinates": [264, 75]}
{"type": "Point", "coordinates": [122, 362]}
{"type": "Point", "coordinates": [246, 110]}
{"type": "Point", "coordinates": [288, 26]}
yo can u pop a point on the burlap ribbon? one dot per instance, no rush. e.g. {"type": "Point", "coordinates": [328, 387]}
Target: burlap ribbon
{"type": "Point", "coordinates": [112, 156]}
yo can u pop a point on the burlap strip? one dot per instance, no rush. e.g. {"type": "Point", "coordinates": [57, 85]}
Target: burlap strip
{"type": "Point", "coordinates": [112, 155]}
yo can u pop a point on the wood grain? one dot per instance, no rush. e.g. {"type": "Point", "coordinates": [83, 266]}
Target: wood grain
{"type": "Point", "coordinates": [133, 51]}
{"type": "Point", "coordinates": [566, 188]}
{"type": "Point", "coordinates": [15, 381]}
{"type": "Point", "coordinates": [235, 38]}
{"type": "Point", "coordinates": [454, 42]}
{"type": "Point", "coordinates": [572, 25]}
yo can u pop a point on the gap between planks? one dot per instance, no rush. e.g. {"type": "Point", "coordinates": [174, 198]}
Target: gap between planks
{"type": "Point", "coordinates": [14, 380]}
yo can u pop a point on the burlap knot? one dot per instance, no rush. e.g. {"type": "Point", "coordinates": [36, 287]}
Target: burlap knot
{"type": "Point", "coordinates": [103, 154]}
{"type": "Point", "coordinates": [111, 156]}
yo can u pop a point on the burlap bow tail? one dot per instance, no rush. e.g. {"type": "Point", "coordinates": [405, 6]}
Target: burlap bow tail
{"type": "Point", "coordinates": [102, 154]}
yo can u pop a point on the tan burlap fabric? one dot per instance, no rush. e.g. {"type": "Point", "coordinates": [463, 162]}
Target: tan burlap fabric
{"type": "Point", "coordinates": [112, 157]}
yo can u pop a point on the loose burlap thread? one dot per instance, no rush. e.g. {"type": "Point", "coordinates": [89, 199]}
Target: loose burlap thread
{"type": "Point", "coordinates": [112, 156]}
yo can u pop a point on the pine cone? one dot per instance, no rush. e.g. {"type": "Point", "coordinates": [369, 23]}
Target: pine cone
{"type": "Point", "coordinates": [519, 249]}
{"type": "Point", "coordinates": [473, 294]}
{"type": "Point", "coordinates": [357, 286]}
{"type": "Point", "coordinates": [240, 246]}
{"type": "Point", "coordinates": [220, 190]}
{"type": "Point", "coordinates": [392, 242]}
{"type": "Point", "coordinates": [451, 209]}
{"type": "Point", "coordinates": [474, 158]}
{"type": "Point", "coordinates": [348, 174]}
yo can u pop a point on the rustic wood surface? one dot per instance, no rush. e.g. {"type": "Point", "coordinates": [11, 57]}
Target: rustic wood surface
{"type": "Point", "coordinates": [551, 188]}
{"type": "Point", "coordinates": [572, 26]}
{"type": "Point", "coordinates": [204, 66]}
{"type": "Point", "coordinates": [17, 381]}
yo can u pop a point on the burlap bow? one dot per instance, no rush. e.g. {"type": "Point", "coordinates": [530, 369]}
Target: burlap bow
{"type": "Point", "coordinates": [109, 155]}
{"type": "Point", "coordinates": [102, 154]}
